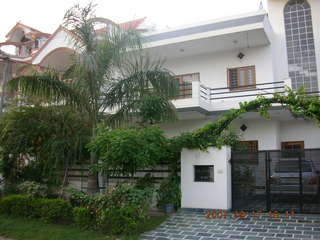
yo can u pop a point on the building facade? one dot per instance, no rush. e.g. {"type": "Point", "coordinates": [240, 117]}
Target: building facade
{"type": "Point", "coordinates": [220, 63]}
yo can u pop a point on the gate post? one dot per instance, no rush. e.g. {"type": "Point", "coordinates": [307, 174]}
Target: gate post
{"type": "Point", "coordinates": [267, 164]}
{"type": "Point", "coordinates": [300, 183]}
{"type": "Point", "coordinates": [232, 179]}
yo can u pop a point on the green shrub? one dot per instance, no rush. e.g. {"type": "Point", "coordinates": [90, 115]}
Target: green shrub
{"type": "Point", "coordinates": [169, 192]}
{"type": "Point", "coordinates": [84, 218]}
{"type": "Point", "coordinates": [80, 199]}
{"type": "Point", "coordinates": [49, 210]}
{"type": "Point", "coordinates": [123, 220]}
{"type": "Point", "coordinates": [147, 181]}
{"type": "Point", "coordinates": [55, 210]}
{"type": "Point", "coordinates": [33, 189]}
{"type": "Point", "coordinates": [126, 207]}
{"type": "Point", "coordinates": [120, 210]}
{"type": "Point", "coordinates": [16, 205]}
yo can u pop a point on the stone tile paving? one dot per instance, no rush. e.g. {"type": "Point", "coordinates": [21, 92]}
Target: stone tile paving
{"type": "Point", "coordinates": [193, 225]}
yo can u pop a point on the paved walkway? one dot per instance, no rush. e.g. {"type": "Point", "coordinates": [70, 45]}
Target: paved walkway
{"type": "Point", "coordinates": [194, 226]}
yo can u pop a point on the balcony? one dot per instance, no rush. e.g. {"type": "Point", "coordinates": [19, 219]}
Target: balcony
{"type": "Point", "coordinates": [197, 97]}
{"type": "Point", "coordinates": [227, 34]}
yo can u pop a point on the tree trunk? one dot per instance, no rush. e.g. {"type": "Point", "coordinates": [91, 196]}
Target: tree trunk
{"type": "Point", "coordinates": [92, 182]}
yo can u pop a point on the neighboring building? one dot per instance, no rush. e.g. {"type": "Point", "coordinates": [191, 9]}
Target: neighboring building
{"type": "Point", "coordinates": [220, 63]}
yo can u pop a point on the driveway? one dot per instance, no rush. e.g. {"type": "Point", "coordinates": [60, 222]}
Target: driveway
{"type": "Point", "coordinates": [193, 225]}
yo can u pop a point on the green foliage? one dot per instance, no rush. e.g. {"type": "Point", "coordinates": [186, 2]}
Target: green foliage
{"type": "Point", "coordinates": [84, 218]}
{"type": "Point", "coordinates": [48, 210]}
{"type": "Point", "coordinates": [33, 189]}
{"type": "Point", "coordinates": [38, 142]}
{"type": "Point", "coordinates": [146, 182]}
{"type": "Point", "coordinates": [20, 229]}
{"type": "Point", "coordinates": [123, 220]}
{"type": "Point", "coordinates": [53, 210]}
{"type": "Point", "coordinates": [155, 109]}
{"type": "Point", "coordinates": [208, 136]}
{"type": "Point", "coordinates": [121, 210]}
{"type": "Point", "coordinates": [124, 151]}
{"type": "Point", "coordinates": [101, 75]}
{"type": "Point", "coordinates": [169, 192]}
{"type": "Point", "coordinates": [80, 199]}
{"type": "Point", "coordinates": [127, 208]}
{"type": "Point", "coordinates": [16, 205]}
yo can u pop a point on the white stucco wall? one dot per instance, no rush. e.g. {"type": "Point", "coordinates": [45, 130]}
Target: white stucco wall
{"type": "Point", "coordinates": [269, 133]}
{"type": "Point", "coordinates": [213, 67]}
{"type": "Point", "coordinates": [301, 130]}
{"type": "Point", "coordinates": [61, 39]}
{"type": "Point", "coordinates": [208, 195]}
{"type": "Point", "coordinates": [265, 131]}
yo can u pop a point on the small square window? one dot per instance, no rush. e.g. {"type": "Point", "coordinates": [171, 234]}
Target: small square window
{"type": "Point", "coordinates": [204, 173]}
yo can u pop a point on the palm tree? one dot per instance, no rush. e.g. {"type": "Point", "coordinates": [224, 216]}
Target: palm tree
{"type": "Point", "coordinates": [108, 73]}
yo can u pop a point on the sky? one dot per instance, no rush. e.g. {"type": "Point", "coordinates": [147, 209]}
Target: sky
{"type": "Point", "coordinates": [47, 15]}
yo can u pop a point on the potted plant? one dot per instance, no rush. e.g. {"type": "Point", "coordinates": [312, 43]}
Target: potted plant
{"type": "Point", "coordinates": [169, 194]}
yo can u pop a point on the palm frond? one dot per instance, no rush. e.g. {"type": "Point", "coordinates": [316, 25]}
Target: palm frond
{"type": "Point", "coordinates": [142, 77]}
{"type": "Point", "coordinates": [144, 89]}
{"type": "Point", "coordinates": [46, 86]}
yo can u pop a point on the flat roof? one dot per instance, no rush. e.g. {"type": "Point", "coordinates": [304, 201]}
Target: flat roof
{"type": "Point", "coordinates": [212, 25]}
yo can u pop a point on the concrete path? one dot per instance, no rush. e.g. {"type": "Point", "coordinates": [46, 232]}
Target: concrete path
{"type": "Point", "coordinates": [194, 226]}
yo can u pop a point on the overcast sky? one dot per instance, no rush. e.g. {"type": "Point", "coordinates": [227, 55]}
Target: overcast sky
{"type": "Point", "coordinates": [46, 15]}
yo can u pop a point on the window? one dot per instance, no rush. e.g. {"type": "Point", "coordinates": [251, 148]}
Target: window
{"type": "Point", "coordinates": [36, 43]}
{"type": "Point", "coordinates": [250, 146]}
{"type": "Point", "coordinates": [292, 145]}
{"type": "Point", "coordinates": [203, 173]}
{"type": "Point", "coordinates": [185, 84]}
{"type": "Point", "coordinates": [242, 78]}
{"type": "Point", "coordinates": [300, 45]}
{"type": "Point", "coordinates": [292, 149]}
{"type": "Point", "coordinates": [251, 149]}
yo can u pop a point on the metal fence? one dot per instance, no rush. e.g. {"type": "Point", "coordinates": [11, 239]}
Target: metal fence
{"type": "Point", "coordinates": [276, 180]}
{"type": "Point", "coordinates": [78, 175]}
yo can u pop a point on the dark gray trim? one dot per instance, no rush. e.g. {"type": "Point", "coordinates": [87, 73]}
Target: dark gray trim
{"type": "Point", "coordinates": [257, 84]}
{"type": "Point", "coordinates": [247, 90]}
{"type": "Point", "coordinates": [206, 28]}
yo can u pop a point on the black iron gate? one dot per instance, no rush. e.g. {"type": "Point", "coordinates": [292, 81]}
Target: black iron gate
{"type": "Point", "coordinates": [276, 180]}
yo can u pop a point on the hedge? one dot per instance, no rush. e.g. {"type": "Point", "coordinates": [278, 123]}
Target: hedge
{"type": "Point", "coordinates": [49, 210]}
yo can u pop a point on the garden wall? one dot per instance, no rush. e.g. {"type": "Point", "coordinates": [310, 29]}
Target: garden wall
{"type": "Point", "coordinates": [200, 192]}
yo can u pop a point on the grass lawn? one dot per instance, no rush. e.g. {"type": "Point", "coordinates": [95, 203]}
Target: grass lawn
{"type": "Point", "coordinates": [26, 229]}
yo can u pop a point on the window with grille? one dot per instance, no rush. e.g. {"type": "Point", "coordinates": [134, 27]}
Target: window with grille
{"type": "Point", "coordinates": [300, 45]}
{"type": "Point", "coordinates": [185, 84]}
{"type": "Point", "coordinates": [242, 78]}
{"type": "Point", "coordinates": [203, 173]}
{"type": "Point", "coordinates": [292, 149]}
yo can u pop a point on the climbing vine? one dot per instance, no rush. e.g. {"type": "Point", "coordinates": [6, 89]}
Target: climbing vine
{"type": "Point", "coordinates": [208, 136]}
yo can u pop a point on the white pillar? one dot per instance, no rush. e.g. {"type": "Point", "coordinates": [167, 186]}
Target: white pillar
{"type": "Point", "coordinates": [206, 195]}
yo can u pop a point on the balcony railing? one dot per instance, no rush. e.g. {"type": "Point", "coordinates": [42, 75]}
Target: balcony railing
{"type": "Point", "coordinates": [196, 95]}
{"type": "Point", "coordinates": [263, 89]}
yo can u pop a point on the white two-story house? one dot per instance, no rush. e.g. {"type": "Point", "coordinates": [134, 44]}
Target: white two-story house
{"type": "Point", "coordinates": [220, 63]}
